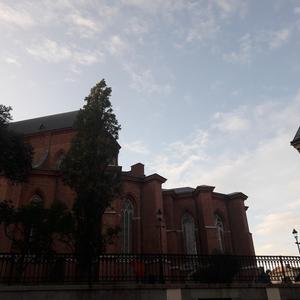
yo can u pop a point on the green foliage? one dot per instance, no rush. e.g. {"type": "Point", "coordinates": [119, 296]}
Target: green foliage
{"type": "Point", "coordinates": [5, 115]}
{"type": "Point", "coordinates": [87, 170]}
{"type": "Point", "coordinates": [33, 228]}
{"type": "Point", "coordinates": [110, 235]}
{"type": "Point", "coordinates": [15, 155]}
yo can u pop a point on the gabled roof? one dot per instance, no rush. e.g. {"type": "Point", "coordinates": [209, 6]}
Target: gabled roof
{"type": "Point", "coordinates": [296, 139]}
{"type": "Point", "coordinates": [46, 123]}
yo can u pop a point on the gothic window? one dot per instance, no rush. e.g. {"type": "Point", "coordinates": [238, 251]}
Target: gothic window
{"type": "Point", "coordinates": [36, 199]}
{"type": "Point", "coordinates": [59, 160]}
{"type": "Point", "coordinates": [127, 215]}
{"type": "Point", "coordinates": [188, 229]}
{"type": "Point", "coordinates": [220, 232]}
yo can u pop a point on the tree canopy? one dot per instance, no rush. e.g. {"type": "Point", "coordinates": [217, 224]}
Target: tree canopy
{"type": "Point", "coordinates": [32, 228]}
{"type": "Point", "coordinates": [15, 154]}
{"type": "Point", "coordinates": [87, 169]}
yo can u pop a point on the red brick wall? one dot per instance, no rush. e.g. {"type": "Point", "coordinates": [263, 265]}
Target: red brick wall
{"type": "Point", "coordinates": [147, 197]}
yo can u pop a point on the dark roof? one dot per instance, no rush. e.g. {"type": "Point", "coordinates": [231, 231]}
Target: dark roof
{"type": "Point", "coordinates": [181, 190]}
{"type": "Point", "coordinates": [52, 122]}
{"type": "Point", "coordinates": [296, 138]}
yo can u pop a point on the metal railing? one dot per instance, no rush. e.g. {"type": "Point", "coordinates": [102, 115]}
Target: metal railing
{"type": "Point", "coordinates": [149, 268]}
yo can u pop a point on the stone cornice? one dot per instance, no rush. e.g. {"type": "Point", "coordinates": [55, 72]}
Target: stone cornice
{"type": "Point", "coordinates": [204, 188]}
{"type": "Point", "coordinates": [152, 177]}
{"type": "Point", "coordinates": [237, 196]}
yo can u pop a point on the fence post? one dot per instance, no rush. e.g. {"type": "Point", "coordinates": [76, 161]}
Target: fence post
{"type": "Point", "coordinates": [11, 271]}
{"type": "Point", "coordinates": [161, 270]}
{"type": "Point", "coordinates": [282, 268]}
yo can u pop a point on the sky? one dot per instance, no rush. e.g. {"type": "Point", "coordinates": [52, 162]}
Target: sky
{"type": "Point", "coordinates": [206, 91]}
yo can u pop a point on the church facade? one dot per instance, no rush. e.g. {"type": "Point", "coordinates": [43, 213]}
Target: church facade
{"type": "Point", "coordinates": [152, 219]}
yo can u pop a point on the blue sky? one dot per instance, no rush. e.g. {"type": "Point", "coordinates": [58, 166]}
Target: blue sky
{"type": "Point", "coordinates": [207, 92]}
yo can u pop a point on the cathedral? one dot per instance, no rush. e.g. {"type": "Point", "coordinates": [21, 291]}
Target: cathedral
{"type": "Point", "coordinates": [152, 219]}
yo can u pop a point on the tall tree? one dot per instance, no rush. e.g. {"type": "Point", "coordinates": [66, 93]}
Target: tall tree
{"type": "Point", "coordinates": [88, 171]}
{"type": "Point", "coordinates": [32, 228]}
{"type": "Point", "coordinates": [15, 154]}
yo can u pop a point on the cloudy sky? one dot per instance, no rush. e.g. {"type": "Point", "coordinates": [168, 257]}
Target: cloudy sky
{"type": "Point", "coordinates": [206, 91]}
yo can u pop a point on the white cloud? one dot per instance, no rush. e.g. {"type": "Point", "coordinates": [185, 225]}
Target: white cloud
{"type": "Point", "coordinates": [279, 38]}
{"type": "Point", "coordinates": [138, 147]}
{"type": "Point", "coordinates": [51, 52]}
{"type": "Point", "coordinates": [117, 46]}
{"type": "Point", "coordinates": [203, 25]}
{"type": "Point", "coordinates": [297, 10]}
{"type": "Point", "coordinates": [261, 163]}
{"type": "Point", "coordinates": [231, 122]}
{"type": "Point", "coordinates": [236, 93]}
{"type": "Point", "coordinates": [294, 204]}
{"type": "Point", "coordinates": [83, 22]}
{"type": "Point", "coordinates": [87, 57]}
{"type": "Point", "coordinates": [274, 222]}
{"type": "Point", "coordinates": [245, 52]}
{"type": "Point", "coordinates": [15, 16]}
{"type": "Point", "coordinates": [252, 44]}
{"type": "Point", "coordinates": [180, 157]}
{"type": "Point", "coordinates": [12, 61]}
{"type": "Point", "coordinates": [143, 80]}
{"type": "Point", "coordinates": [85, 27]}
{"type": "Point", "coordinates": [229, 7]}
{"type": "Point", "coordinates": [137, 26]}
{"type": "Point", "coordinates": [203, 18]}
{"type": "Point", "coordinates": [185, 149]}
{"type": "Point", "coordinates": [276, 228]}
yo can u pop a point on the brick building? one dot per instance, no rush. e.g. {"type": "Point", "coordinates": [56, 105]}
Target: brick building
{"type": "Point", "coordinates": [152, 219]}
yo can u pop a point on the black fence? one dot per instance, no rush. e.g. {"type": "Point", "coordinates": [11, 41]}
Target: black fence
{"type": "Point", "coordinates": [149, 269]}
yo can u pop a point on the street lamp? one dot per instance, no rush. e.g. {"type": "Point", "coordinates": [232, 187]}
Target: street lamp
{"type": "Point", "coordinates": [295, 234]}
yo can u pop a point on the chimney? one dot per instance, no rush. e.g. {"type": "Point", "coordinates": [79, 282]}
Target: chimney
{"type": "Point", "coordinates": [137, 170]}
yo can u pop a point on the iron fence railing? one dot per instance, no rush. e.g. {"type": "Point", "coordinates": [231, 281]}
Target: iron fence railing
{"type": "Point", "coordinates": [149, 268]}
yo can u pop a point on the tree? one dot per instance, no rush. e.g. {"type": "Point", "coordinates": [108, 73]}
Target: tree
{"type": "Point", "coordinates": [15, 154]}
{"type": "Point", "coordinates": [87, 170]}
{"type": "Point", "coordinates": [35, 229]}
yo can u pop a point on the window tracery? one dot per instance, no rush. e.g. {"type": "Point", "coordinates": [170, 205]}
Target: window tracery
{"type": "Point", "coordinates": [127, 216]}
{"type": "Point", "coordinates": [189, 237]}
{"type": "Point", "coordinates": [59, 160]}
{"type": "Point", "coordinates": [220, 232]}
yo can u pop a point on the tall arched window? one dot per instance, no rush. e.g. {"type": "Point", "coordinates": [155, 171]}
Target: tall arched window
{"type": "Point", "coordinates": [36, 199]}
{"type": "Point", "coordinates": [127, 215]}
{"type": "Point", "coordinates": [220, 232]}
{"type": "Point", "coordinates": [60, 157]}
{"type": "Point", "coordinates": [188, 229]}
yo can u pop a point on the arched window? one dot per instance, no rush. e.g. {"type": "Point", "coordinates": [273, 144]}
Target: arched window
{"type": "Point", "coordinates": [60, 157]}
{"type": "Point", "coordinates": [127, 215]}
{"type": "Point", "coordinates": [220, 232]}
{"type": "Point", "coordinates": [36, 199]}
{"type": "Point", "coordinates": [188, 229]}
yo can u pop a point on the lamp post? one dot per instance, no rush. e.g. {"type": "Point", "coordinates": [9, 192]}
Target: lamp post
{"type": "Point", "coordinates": [295, 234]}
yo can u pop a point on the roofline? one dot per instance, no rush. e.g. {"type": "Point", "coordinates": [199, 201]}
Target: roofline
{"type": "Point", "coordinates": [44, 116]}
